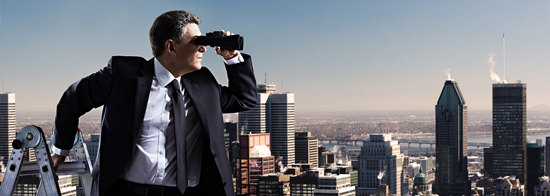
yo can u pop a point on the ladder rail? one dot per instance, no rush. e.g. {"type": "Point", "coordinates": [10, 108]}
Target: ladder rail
{"type": "Point", "coordinates": [33, 137]}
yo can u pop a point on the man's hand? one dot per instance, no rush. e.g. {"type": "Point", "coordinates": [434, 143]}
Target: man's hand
{"type": "Point", "coordinates": [57, 160]}
{"type": "Point", "coordinates": [226, 53]}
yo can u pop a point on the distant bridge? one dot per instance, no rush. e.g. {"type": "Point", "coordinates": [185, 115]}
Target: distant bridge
{"type": "Point", "coordinates": [420, 142]}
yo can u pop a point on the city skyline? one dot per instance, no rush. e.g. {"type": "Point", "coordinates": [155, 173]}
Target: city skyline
{"type": "Point", "coordinates": [337, 56]}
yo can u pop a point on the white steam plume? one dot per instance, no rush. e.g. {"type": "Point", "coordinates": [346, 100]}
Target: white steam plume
{"type": "Point", "coordinates": [494, 76]}
{"type": "Point", "coordinates": [381, 175]}
{"type": "Point", "coordinates": [448, 73]}
{"type": "Point", "coordinates": [282, 168]}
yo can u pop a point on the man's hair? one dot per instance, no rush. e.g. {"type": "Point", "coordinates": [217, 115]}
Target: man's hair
{"type": "Point", "coordinates": [170, 25]}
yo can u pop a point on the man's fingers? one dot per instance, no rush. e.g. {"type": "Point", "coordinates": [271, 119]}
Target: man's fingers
{"type": "Point", "coordinates": [57, 160]}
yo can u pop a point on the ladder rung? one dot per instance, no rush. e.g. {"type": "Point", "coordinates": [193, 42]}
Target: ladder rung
{"type": "Point", "coordinates": [67, 168]}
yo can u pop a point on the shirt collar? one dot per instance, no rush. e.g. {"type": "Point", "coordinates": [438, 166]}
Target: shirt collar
{"type": "Point", "coordinates": [164, 77]}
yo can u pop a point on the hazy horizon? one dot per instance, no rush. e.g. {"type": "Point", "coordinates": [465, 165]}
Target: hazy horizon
{"type": "Point", "coordinates": [333, 55]}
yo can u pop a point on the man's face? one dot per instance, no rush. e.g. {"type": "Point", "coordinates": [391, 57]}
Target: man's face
{"type": "Point", "coordinates": [189, 54]}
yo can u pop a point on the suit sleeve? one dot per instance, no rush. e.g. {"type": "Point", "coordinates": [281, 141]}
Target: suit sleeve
{"type": "Point", "coordinates": [241, 93]}
{"type": "Point", "coordinates": [81, 97]}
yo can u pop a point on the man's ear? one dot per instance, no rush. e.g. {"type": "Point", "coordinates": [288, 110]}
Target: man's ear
{"type": "Point", "coordinates": [169, 46]}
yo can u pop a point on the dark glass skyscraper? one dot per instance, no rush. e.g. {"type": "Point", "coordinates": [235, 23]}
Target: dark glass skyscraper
{"type": "Point", "coordinates": [451, 138]}
{"type": "Point", "coordinates": [509, 130]}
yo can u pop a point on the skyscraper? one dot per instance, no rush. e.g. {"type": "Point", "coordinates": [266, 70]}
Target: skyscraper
{"type": "Point", "coordinates": [306, 148]}
{"type": "Point", "coordinates": [273, 114]}
{"type": "Point", "coordinates": [509, 130]}
{"type": "Point", "coordinates": [380, 163]}
{"type": "Point", "coordinates": [7, 124]}
{"type": "Point", "coordinates": [534, 169]}
{"type": "Point", "coordinates": [547, 155]}
{"type": "Point", "coordinates": [451, 138]}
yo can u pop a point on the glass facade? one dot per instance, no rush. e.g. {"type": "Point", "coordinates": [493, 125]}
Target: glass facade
{"type": "Point", "coordinates": [451, 137]}
{"type": "Point", "coordinates": [509, 130]}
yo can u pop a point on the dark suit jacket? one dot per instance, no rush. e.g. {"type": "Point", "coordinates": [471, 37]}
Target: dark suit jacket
{"type": "Point", "coordinates": [122, 88]}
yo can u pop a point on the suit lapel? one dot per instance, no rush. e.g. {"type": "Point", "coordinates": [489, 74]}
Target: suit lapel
{"type": "Point", "coordinates": [143, 88]}
{"type": "Point", "coordinates": [194, 91]}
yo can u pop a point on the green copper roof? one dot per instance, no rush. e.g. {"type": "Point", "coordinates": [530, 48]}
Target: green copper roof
{"type": "Point", "coordinates": [421, 178]}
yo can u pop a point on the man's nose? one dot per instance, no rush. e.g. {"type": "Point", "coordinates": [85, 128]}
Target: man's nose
{"type": "Point", "coordinates": [202, 48]}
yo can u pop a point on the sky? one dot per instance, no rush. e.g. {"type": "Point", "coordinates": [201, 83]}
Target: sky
{"type": "Point", "coordinates": [333, 55]}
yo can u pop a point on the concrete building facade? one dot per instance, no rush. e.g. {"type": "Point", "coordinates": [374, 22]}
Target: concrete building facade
{"type": "Point", "coordinates": [380, 163]}
{"type": "Point", "coordinates": [306, 148]}
{"type": "Point", "coordinates": [273, 114]}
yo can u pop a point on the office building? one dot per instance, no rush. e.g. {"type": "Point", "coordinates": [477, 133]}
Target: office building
{"type": "Point", "coordinates": [273, 114]}
{"type": "Point", "coordinates": [534, 169]}
{"type": "Point", "coordinates": [451, 138]}
{"type": "Point", "coordinates": [321, 160]}
{"type": "Point", "coordinates": [547, 155]}
{"type": "Point", "coordinates": [380, 163]}
{"type": "Point", "coordinates": [488, 162]}
{"type": "Point", "coordinates": [509, 131]}
{"type": "Point", "coordinates": [426, 163]}
{"type": "Point", "coordinates": [7, 125]}
{"type": "Point", "coordinates": [274, 184]}
{"type": "Point", "coordinates": [304, 184]}
{"type": "Point", "coordinates": [306, 148]}
{"type": "Point", "coordinates": [335, 185]}
{"type": "Point", "coordinates": [93, 147]}
{"type": "Point", "coordinates": [254, 161]}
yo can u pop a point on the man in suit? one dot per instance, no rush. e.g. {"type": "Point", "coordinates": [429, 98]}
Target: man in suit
{"type": "Point", "coordinates": [162, 124]}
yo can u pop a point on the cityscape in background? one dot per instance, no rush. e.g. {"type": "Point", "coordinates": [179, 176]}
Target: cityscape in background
{"type": "Point", "coordinates": [275, 150]}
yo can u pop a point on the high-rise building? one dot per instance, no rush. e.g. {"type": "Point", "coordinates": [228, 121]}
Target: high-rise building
{"type": "Point", "coordinates": [273, 114]}
{"type": "Point", "coordinates": [380, 163]}
{"type": "Point", "coordinates": [321, 159]}
{"type": "Point", "coordinates": [451, 138]}
{"type": "Point", "coordinates": [232, 130]}
{"type": "Point", "coordinates": [509, 130]}
{"type": "Point", "coordinates": [488, 162]}
{"type": "Point", "coordinates": [534, 169]}
{"type": "Point", "coordinates": [93, 147]}
{"type": "Point", "coordinates": [306, 148]}
{"type": "Point", "coordinates": [547, 155]}
{"type": "Point", "coordinates": [7, 125]}
{"type": "Point", "coordinates": [254, 161]}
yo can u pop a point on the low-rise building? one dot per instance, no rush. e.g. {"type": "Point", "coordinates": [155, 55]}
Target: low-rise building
{"type": "Point", "coordinates": [335, 185]}
{"type": "Point", "coordinates": [509, 186]}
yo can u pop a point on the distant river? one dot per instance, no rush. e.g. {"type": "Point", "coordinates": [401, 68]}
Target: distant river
{"type": "Point", "coordinates": [415, 147]}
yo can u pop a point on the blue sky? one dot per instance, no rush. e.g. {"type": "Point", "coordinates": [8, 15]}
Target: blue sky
{"type": "Point", "coordinates": [334, 55]}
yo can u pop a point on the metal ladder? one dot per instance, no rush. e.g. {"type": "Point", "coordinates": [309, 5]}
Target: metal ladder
{"type": "Point", "coordinates": [33, 137]}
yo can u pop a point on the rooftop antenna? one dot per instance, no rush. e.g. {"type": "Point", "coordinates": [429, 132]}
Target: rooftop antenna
{"type": "Point", "coordinates": [265, 78]}
{"type": "Point", "coordinates": [504, 57]}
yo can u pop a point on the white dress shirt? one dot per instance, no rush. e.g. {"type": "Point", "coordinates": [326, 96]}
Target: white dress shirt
{"type": "Point", "coordinates": [154, 157]}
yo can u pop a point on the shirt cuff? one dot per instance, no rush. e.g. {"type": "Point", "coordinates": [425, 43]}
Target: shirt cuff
{"type": "Point", "coordinates": [59, 151]}
{"type": "Point", "coordinates": [235, 60]}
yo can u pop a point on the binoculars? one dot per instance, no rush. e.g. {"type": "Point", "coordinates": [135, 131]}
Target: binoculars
{"type": "Point", "coordinates": [218, 38]}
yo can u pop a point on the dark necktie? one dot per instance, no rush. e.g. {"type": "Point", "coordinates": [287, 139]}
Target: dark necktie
{"type": "Point", "coordinates": [180, 133]}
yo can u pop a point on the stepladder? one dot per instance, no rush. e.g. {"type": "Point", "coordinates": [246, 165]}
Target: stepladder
{"type": "Point", "coordinates": [32, 137]}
